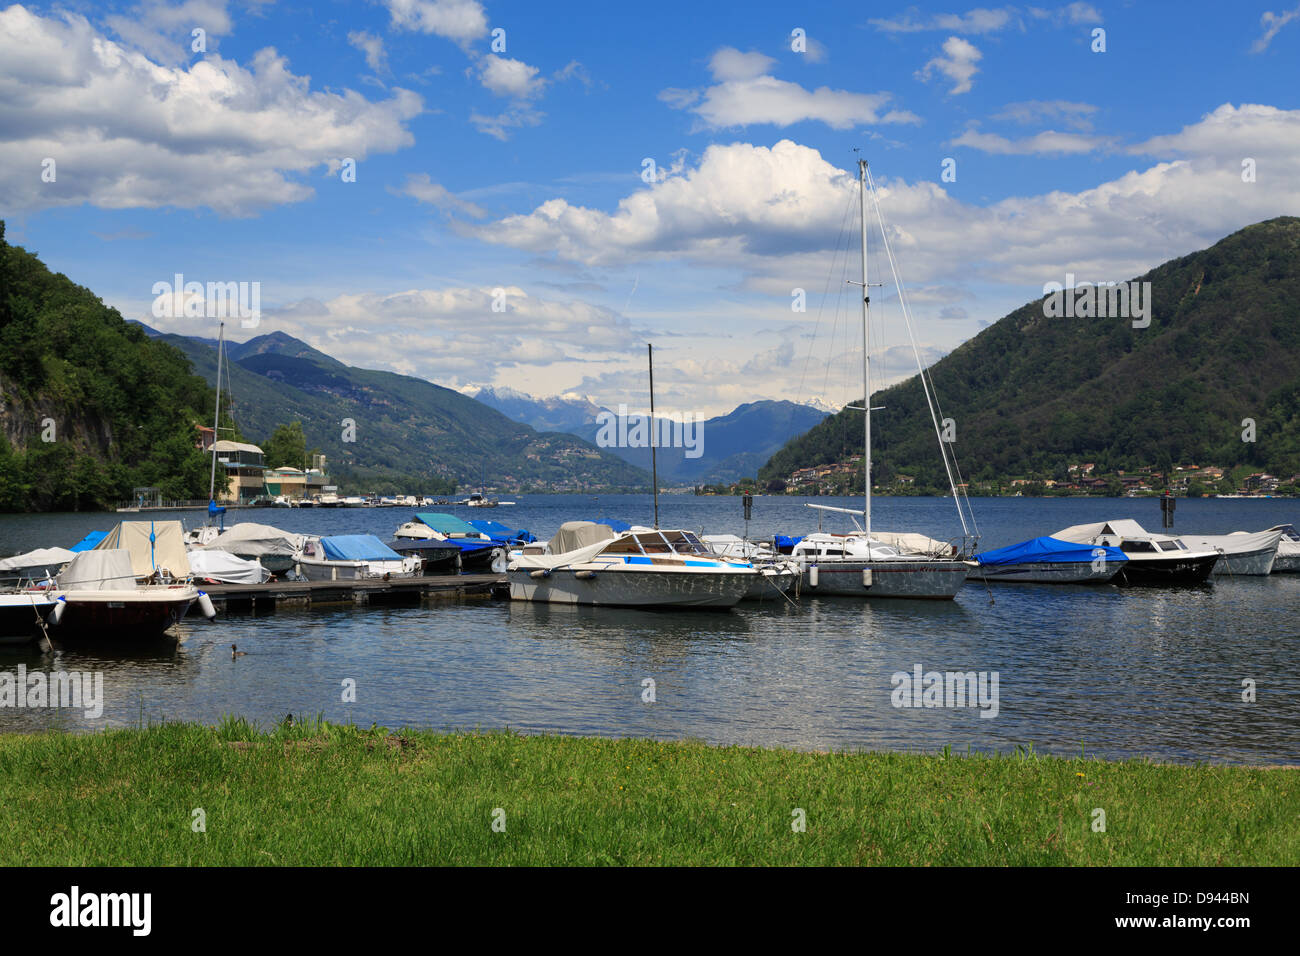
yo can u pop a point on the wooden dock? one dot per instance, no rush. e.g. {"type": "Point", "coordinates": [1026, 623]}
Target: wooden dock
{"type": "Point", "coordinates": [266, 598]}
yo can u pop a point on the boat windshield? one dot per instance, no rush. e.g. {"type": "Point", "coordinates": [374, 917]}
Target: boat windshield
{"type": "Point", "coordinates": [652, 542]}
{"type": "Point", "coordinates": [626, 545]}
{"type": "Point", "coordinates": [1133, 547]}
{"type": "Point", "coordinates": [684, 542]}
{"type": "Point", "coordinates": [1170, 545]}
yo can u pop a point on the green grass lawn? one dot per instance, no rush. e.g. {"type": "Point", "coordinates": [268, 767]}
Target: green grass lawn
{"type": "Point", "coordinates": [329, 794]}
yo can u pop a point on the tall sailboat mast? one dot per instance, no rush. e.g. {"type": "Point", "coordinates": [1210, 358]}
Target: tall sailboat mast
{"type": "Point", "coordinates": [866, 380]}
{"type": "Point", "coordinates": [654, 433]}
{"type": "Point", "coordinates": [216, 424]}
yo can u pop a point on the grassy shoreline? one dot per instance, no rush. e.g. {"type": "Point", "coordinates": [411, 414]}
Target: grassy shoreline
{"type": "Point", "coordinates": [324, 794]}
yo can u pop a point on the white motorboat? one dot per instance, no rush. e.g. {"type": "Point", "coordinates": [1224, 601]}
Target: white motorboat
{"type": "Point", "coordinates": [1152, 558]}
{"type": "Point", "coordinates": [277, 551]}
{"type": "Point", "coordinates": [99, 595]}
{"type": "Point", "coordinates": [22, 612]}
{"type": "Point", "coordinates": [1243, 552]}
{"type": "Point", "coordinates": [777, 574]}
{"type": "Point", "coordinates": [1288, 550]}
{"type": "Point", "coordinates": [349, 557]}
{"type": "Point", "coordinates": [585, 563]}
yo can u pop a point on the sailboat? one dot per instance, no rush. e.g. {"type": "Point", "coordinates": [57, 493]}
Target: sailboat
{"type": "Point", "coordinates": [206, 534]}
{"type": "Point", "coordinates": [861, 564]}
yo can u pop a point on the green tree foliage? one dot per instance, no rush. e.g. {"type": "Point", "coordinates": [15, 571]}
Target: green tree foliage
{"type": "Point", "coordinates": [122, 407]}
{"type": "Point", "coordinates": [286, 446]}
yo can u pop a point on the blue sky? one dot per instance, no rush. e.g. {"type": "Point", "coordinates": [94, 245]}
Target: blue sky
{"type": "Point", "coordinates": [521, 170]}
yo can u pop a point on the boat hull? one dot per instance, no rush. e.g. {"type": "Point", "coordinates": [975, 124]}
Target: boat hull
{"type": "Point", "coordinates": [314, 570]}
{"type": "Point", "coordinates": [771, 583]}
{"type": "Point", "coordinates": [631, 588]}
{"type": "Point", "coordinates": [1167, 571]}
{"type": "Point", "coordinates": [922, 580]}
{"type": "Point", "coordinates": [105, 615]}
{"type": "Point", "coordinates": [1286, 563]}
{"type": "Point", "coordinates": [1252, 563]}
{"type": "Point", "coordinates": [1047, 572]}
{"type": "Point", "coordinates": [18, 617]}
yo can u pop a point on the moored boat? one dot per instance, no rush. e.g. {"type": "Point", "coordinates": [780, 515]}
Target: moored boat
{"type": "Point", "coordinates": [349, 557]}
{"type": "Point", "coordinates": [858, 566]}
{"type": "Point", "coordinates": [1048, 560]}
{"type": "Point", "coordinates": [1152, 558]}
{"type": "Point", "coordinates": [479, 552]}
{"type": "Point", "coordinates": [1243, 553]}
{"type": "Point", "coordinates": [590, 565]}
{"type": "Point", "coordinates": [98, 596]}
{"type": "Point", "coordinates": [22, 612]}
{"type": "Point", "coordinates": [1288, 550]}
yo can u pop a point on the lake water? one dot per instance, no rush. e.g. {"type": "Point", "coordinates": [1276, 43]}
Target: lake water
{"type": "Point", "coordinates": [1118, 672]}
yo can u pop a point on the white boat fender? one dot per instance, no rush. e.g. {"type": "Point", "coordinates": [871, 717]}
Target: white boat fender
{"type": "Point", "coordinates": [60, 606]}
{"type": "Point", "coordinates": [540, 573]}
{"type": "Point", "coordinates": [866, 577]}
{"type": "Point", "coordinates": [812, 576]}
{"type": "Point", "coordinates": [585, 575]}
{"type": "Point", "coordinates": [205, 605]}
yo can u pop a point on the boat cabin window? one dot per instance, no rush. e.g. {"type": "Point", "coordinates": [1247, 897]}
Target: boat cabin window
{"type": "Point", "coordinates": [1170, 545]}
{"type": "Point", "coordinates": [1134, 547]}
{"type": "Point", "coordinates": [626, 545]}
{"type": "Point", "coordinates": [652, 542]}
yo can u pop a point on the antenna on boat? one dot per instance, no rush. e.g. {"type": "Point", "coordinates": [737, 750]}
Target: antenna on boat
{"type": "Point", "coordinates": [654, 433]}
{"type": "Point", "coordinates": [216, 425]}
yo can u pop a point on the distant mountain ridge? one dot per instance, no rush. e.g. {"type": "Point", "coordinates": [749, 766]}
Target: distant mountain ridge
{"type": "Point", "coordinates": [734, 445]}
{"type": "Point", "coordinates": [1035, 393]}
{"type": "Point", "coordinates": [406, 429]}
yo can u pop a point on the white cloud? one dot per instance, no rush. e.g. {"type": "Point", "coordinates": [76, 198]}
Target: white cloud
{"type": "Point", "coordinates": [1272, 23]}
{"type": "Point", "coordinates": [1075, 115]}
{"type": "Point", "coordinates": [1048, 142]}
{"type": "Point", "coordinates": [421, 188]}
{"type": "Point", "coordinates": [957, 63]}
{"type": "Point", "coordinates": [373, 47]}
{"type": "Point", "coordinates": [127, 132]}
{"type": "Point", "coordinates": [979, 20]}
{"type": "Point", "coordinates": [164, 31]}
{"type": "Point", "coordinates": [457, 20]}
{"type": "Point", "coordinates": [512, 78]}
{"type": "Point", "coordinates": [745, 95]}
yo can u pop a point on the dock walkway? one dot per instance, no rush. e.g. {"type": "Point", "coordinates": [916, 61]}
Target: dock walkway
{"type": "Point", "coordinates": [263, 598]}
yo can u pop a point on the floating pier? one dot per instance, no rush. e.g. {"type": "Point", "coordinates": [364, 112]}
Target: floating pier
{"type": "Point", "coordinates": [266, 598]}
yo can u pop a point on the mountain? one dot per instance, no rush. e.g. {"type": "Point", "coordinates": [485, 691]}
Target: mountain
{"type": "Point", "coordinates": [407, 433]}
{"type": "Point", "coordinates": [558, 413]}
{"type": "Point", "coordinates": [1033, 393]}
{"type": "Point", "coordinates": [90, 407]}
{"type": "Point", "coordinates": [733, 446]}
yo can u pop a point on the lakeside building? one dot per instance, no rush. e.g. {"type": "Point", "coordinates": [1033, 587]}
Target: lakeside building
{"type": "Point", "coordinates": [243, 463]}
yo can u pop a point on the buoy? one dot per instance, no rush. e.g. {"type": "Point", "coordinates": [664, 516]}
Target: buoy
{"type": "Point", "coordinates": [812, 576]}
{"type": "Point", "coordinates": [205, 605]}
{"type": "Point", "coordinates": [866, 577]}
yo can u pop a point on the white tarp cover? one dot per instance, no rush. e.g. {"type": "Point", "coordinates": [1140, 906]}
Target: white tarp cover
{"type": "Point", "coordinates": [165, 551]}
{"type": "Point", "coordinates": [99, 570]}
{"type": "Point", "coordinates": [1123, 527]}
{"type": "Point", "coordinates": [40, 558]}
{"type": "Point", "coordinates": [909, 542]}
{"type": "Point", "coordinates": [251, 538]}
{"type": "Point", "coordinates": [574, 535]}
{"type": "Point", "coordinates": [550, 561]}
{"type": "Point", "coordinates": [1236, 543]}
{"type": "Point", "coordinates": [226, 568]}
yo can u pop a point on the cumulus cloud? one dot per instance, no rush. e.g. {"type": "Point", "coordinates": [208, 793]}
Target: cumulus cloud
{"type": "Point", "coordinates": [164, 30]}
{"type": "Point", "coordinates": [745, 94]}
{"type": "Point", "coordinates": [461, 21]}
{"type": "Point", "coordinates": [957, 63]}
{"type": "Point", "coordinates": [127, 132]}
{"type": "Point", "coordinates": [512, 78]}
{"type": "Point", "coordinates": [777, 212]}
{"type": "Point", "coordinates": [373, 48]}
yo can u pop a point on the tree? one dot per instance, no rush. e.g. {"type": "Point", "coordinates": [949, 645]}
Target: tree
{"type": "Point", "coordinates": [286, 446]}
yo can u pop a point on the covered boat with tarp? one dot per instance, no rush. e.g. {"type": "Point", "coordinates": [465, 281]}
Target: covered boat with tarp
{"type": "Point", "coordinates": [89, 541]}
{"type": "Point", "coordinates": [36, 565]}
{"type": "Point", "coordinates": [501, 534]}
{"type": "Point", "coordinates": [98, 595]}
{"type": "Point", "coordinates": [1243, 552]}
{"type": "Point", "coordinates": [1153, 558]}
{"type": "Point", "coordinates": [479, 552]}
{"type": "Point", "coordinates": [222, 567]}
{"type": "Point", "coordinates": [345, 557]}
{"type": "Point", "coordinates": [1049, 560]}
{"type": "Point", "coordinates": [277, 551]}
{"type": "Point", "coordinates": [157, 549]}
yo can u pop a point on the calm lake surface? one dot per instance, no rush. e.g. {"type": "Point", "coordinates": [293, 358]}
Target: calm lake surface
{"type": "Point", "coordinates": [1119, 672]}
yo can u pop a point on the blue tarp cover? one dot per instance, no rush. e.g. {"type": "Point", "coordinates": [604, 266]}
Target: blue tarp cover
{"type": "Point", "coordinates": [613, 523]}
{"type": "Point", "coordinates": [1048, 549]}
{"type": "Point", "coordinates": [499, 532]}
{"type": "Point", "coordinates": [357, 547]}
{"type": "Point", "coordinates": [445, 523]}
{"type": "Point", "coordinates": [89, 541]}
{"type": "Point", "coordinates": [786, 542]}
